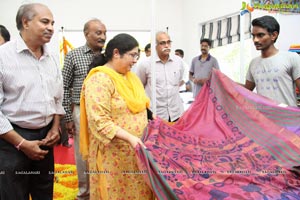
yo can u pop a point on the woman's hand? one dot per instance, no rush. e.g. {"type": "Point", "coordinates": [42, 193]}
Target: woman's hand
{"type": "Point", "coordinates": [133, 141]}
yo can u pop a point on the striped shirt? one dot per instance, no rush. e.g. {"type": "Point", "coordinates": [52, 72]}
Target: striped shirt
{"type": "Point", "coordinates": [75, 69]}
{"type": "Point", "coordinates": [30, 88]}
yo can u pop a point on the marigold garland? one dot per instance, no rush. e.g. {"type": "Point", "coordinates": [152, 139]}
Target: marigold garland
{"type": "Point", "coordinates": [65, 182]}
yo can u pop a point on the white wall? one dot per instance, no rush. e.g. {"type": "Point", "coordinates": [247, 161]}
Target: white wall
{"type": "Point", "coordinates": [289, 30]}
{"type": "Point", "coordinates": [182, 17]}
{"type": "Point", "coordinates": [116, 14]}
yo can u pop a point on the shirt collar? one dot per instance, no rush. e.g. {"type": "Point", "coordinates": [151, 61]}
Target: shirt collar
{"type": "Point", "coordinates": [171, 58]}
{"type": "Point", "coordinates": [87, 49]}
{"type": "Point", "coordinates": [21, 46]}
{"type": "Point", "coordinates": [207, 59]}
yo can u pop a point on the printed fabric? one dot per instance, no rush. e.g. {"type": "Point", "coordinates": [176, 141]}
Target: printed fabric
{"type": "Point", "coordinates": [230, 144]}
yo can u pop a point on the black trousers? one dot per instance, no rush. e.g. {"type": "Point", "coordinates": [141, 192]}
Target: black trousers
{"type": "Point", "coordinates": [21, 176]}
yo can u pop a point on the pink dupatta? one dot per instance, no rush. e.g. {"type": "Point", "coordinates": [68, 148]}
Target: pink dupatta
{"type": "Point", "coordinates": [230, 144]}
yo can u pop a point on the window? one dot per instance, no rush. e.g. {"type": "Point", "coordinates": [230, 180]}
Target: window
{"type": "Point", "coordinates": [226, 30]}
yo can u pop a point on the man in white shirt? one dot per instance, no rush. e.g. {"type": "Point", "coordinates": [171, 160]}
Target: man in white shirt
{"type": "Point", "coordinates": [31, 96]}
{"type": "Point", "coordinates": [169, 74]}
{"type": "Point", "coordinates": [185, 86]}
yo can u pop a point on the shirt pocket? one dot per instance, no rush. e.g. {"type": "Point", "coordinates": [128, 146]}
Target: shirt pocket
{"type": "Point", "coordinates": [174, 77]}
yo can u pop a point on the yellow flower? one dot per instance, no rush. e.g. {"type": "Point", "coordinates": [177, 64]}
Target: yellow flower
{"type": "Point", "coordinates": [65, 182]}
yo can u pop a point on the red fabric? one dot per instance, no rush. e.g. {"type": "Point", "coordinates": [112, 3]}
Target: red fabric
{"type": "Point", "coordinates": [64, 155]}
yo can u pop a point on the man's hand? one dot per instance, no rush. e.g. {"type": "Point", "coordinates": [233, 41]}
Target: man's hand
{"type": "Point", "coordinates": [199, 81]}
{"type": "Point", "coordinates": [52, 138]}
{"type": "Point", "coordinates": [70, 126]}
{"type": "Point", "coordinates": [32, 149]}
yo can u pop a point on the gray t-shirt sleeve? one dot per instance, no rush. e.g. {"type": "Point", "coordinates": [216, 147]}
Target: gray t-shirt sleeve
{"type": "Point", "coordinates": [249, 76]}
{"type": "Point", "coordinates": [295, 60]}
{"type": "Point", "coordinates": [192, 68]}
{"type": "Point", "coordinates": [216, 64]}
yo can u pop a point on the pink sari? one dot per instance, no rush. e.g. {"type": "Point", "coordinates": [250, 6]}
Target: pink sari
{"type": "Point", "coordinates": [230, 144]}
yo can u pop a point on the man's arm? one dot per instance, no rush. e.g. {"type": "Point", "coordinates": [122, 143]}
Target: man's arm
{"type": "Point", "coordinates": [196, 80]}
{"type": "Point", "coordinates": [193, 79]}
{"type": "Point", "coordinates": [297, 81]}
{"type": "Point", "coordinates": [30, 148]}
{"type": "Point", "coordinates": [68, 76]}
{"type": "Point", "coordinates": [216, 65]}
{"type": "Point", "coordinates": [249, 85]}
{"type": "Point", "coordinates": [191, 74]}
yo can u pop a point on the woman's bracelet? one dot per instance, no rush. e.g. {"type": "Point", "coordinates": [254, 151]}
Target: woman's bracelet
{"type": "Point", "coordinates": [19, 145]}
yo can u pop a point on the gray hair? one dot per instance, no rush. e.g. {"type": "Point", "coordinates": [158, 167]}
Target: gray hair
{"type": "Point", "coordinates": [87, 24]}
{"type": "Point", "coordinates": [26, 11]}
{"type": "Point", "coordinates": [160, 33]}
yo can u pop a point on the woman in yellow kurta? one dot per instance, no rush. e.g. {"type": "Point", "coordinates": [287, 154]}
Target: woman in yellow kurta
{"type": "Point", "coordinates": [113, 117]}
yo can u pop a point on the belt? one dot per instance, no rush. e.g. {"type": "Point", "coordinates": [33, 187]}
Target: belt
{"type": "Point", "coordinates": [38, 129]}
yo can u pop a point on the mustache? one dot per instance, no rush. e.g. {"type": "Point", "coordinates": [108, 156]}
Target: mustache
{"type": "Point", "coordinates": [101, 41]}
{"type": "Point", "coordinates": [166, 49]}
{"type": "Point", "coordinates": [256, 43]}
{"type": "Point", "coordinates": [48, 32]}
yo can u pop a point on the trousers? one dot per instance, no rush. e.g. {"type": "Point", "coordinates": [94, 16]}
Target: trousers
{"type": "Point", "coordinates": [21, 176]}
{"type": "Point", "coordinates": [81, 165]}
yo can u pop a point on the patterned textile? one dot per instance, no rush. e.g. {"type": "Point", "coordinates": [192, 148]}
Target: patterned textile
{"type": "Point", "coordinates": [130, 89]}
{"type": "Point", "coordinates": [112, 161]}
{"type": "Point", "coordinates": [230, 144]}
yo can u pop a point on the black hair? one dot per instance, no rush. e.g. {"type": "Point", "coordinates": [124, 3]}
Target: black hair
{"type": "Point", "coordinates": [267, 22]}
{"type": "Point", "coordinates": [123, 42]}
{"type": "Point", "coordinates": [147, 47]}
{"type": "Point", "coordinates": [180, 51]}
{"type": "Point", "coordinates": [4, 33]}
{"type": "Point", "coordinates": [98, 60]}
{"type": "Point", "coordinates": [208, 41]}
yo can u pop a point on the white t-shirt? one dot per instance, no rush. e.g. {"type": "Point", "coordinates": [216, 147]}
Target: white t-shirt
{"type": "Point", "coordinates": [185, 76]}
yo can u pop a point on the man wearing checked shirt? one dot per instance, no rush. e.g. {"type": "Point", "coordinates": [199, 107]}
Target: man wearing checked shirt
{"type": "Point", "coordinates": [75, 69]}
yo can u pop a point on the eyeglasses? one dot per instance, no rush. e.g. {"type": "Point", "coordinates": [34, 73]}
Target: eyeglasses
{"type": "Point", "coordinates": [163, 43]}
{"type": "Point", "coordinates": [135, 56]}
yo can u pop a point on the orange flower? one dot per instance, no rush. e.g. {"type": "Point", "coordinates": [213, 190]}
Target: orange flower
{"type": "Point", "coordinates": [65, 182]}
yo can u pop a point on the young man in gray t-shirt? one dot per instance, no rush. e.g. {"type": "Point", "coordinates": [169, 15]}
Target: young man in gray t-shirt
{"type": "Point", "coordinates": [275, 73]}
